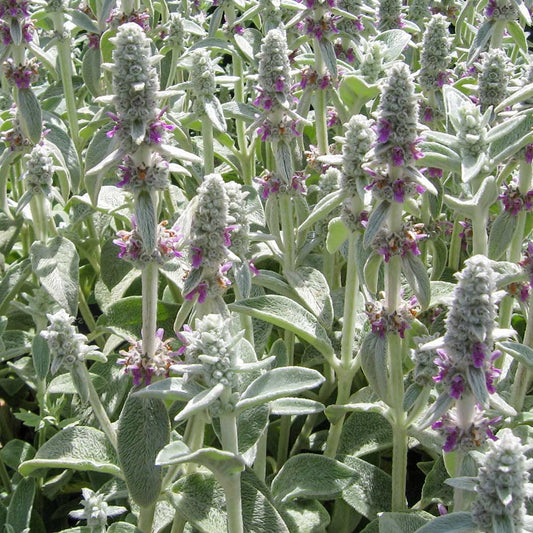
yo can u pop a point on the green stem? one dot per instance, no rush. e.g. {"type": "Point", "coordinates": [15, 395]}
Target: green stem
{"type": "Point", "coordinates": [183, 313]}
{"type": "Point", "coordinates": [328, 268]}
{"type": "Point", "coordinates": [344, 371]}
{"type": "Point", "coordinates": [393, 270]}
{"type": "Point", "coordinates": [64, 46]}
{"type": "Point", "coordinates": [150, 278]}
{"type": "Point", "coordinates": [522, 378]}
{"type": "Point", "coordinates": [178, 526]}
{"type": "Point", "coordinates": [320, 107]}
{"type": "Point", "coordinates": [399, 433]}
{"type": "Point", "coordinates": [98, 408]}
{"type": "Point", "coordinates": [479, 232]}
{"type": "Point", "coordinates": [286, 421]}
{"type": "Point", "coordinates": [146, 518]}
{"type": "Point", "coordinates": [38, 214]}
{"type": "Point", "coordinates": [260, 458]}
{"type": "Point", "coordinates": [287, 229]}
{"type": "Point", "coordinates": [454, 254]}
{"type": "Point", "coordinates": [232, 482]}
{"type": "Point", "coordinates": [240, 126]}
{"type": "Point", "coordinates": [86, 312]}
{"type": "Point", "coordinates": [497, 32]}
{"type": "Point", "coordinates": [209, 152]}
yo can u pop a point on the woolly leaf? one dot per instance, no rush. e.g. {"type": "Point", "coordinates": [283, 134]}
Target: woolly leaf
{"type": "Point", "coordinates": [374, 364]}
{"type": "Point", "coordinates": [395, 41]}
{"type": "Point", "coordinates": [12, 280]}
{"type": "Point", "coordinates": [30, 115]}
{"type": "Point", "coordinates": [478, 383]}
{"type": "Point", "coordinates": [124, 316]}
{"type": "Point", "coordinates": [322, 208]}
{"type": "Point", "coordinates": [313, 289]}
{"type": "Point", "coordinates": [277, 383]}
{"type": "Point", "coordinates": [20, 506]}
{"type": "Point", "coordinates": [372, 270]}
{"type": "Point", "coordinates": [337, 234]}
{"type": "Point", "coordinates": [306, 516]}
{"type": "Point", "coordinates": [372, 493]}
{"type": "Point", "coordinates": [522, 353]}
{"type": "Point", "coordinates": [145, 213]}
{"type": "Point", "coordinates": [143, 430]}
{"type": "Point", "coordinates": [41, 356]}
{"type": "Point", "coordinates": [200, 499]}
{"type": "Point", "coordinates": [501, 233]}
{"type": "Point", "coordinates": [201, 401]}
{"type": "Point", "coordinates": [408, 522]}
{"type": "Point", "coordinates": [417, 276]}
{"type": "Point", "coordinates": [77, 447]}
{"type": "Point", "coordinates": [295, 406]}
{"type": "Point", "coordinates": [171, 389]}
{"type": "Point", "coordinates": [481, 38]}
{"type": "Point", "coordinates": [460, 522]}
{"type": "Point", "coordinates": [377, 435]}
{"type": "Point", "coordinates": [215, 113]}
{"type": "Point", "coordinates": [56, 265]}
{"type": "Point", "coordinates": [286, 313]}
{"type": "Point", "coordinates": [91, 69]}
{"type": "Point", "coordinates": [375, 222]}
{"type": "Point", "coordinates": [312, 476]}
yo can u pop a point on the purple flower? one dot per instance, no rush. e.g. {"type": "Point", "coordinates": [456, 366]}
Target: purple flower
{"type": "Point", "coordinates": [94, 40]}
{"type": "Point", "coordinates": [457, 386]}
{"type": "Point", "coordinates": [528, 153]}
{"type": "Point", "coordinates": [434, 172]}
{"type": "Point", "coordinates": [491, 7]}
{"type": "Point", "coordinates": [197, 257]}
{"type": "Point", "coordinates": [141, 367]}
{"type": "Point", "coordinates": [383, 130]}
{"type": "Point", "coordinates": [280, 84]}
{"type": "Point", "coordinates": [14, 9]}
{"type": "Point", "coordinates": [397, 156]}
{"type": "Point", "coordinates": [200, 290]}
{"type": "Point", "coordinates": [428, 114]}
{"type": "Point", "coordinates": [479, 354]}
{"type": "Point", "coordinates": [443, 78]}
{"type": "Point", "coordinates": [227, 234]}
{"type": "Point", "coordinates": [156, 130]}
{"type": "Point", "coordinates": [465, 438]}
{"type": "Point", "coordinates": [252, 267]}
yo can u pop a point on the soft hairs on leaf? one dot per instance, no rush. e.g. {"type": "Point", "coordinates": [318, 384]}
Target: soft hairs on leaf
{"type": "Point", "coordinates": [143, 429]}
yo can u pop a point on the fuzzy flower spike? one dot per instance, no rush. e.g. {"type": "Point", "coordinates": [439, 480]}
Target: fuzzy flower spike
{"type": "Point", "coordinates": [135, 81]}
{"type": "Point", "coordinates": [465, 358]}
{"type": "Point", "coordinates": [396, 148]}
{"type": "Point", "coordinates": [503, 487]}
{"type": "Point", "coordinates": [209, 239]}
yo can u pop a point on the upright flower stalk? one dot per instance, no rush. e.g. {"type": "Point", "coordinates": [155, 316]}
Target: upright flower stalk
{"type": "Point", "coordinates": [206, 106]}
{"type": "Point", "coordinates": [358, 141]}
{"type": "Point", "coordinates": [56, 11]}
{"type": "Point", "coordinates": [465, 358]}
{"type": "Point", "coordinates": [211, 359]}
{"type": "Point", "coordinates": [135, 84]}
{"type": "Point", "coordinates": [503, 487]}
{"type": "Point", "coordinates": [394, 181]}
{"type": "Point", "coordinates": [209, 240]}
{"type": "Point", "coordinates": [69, 349]}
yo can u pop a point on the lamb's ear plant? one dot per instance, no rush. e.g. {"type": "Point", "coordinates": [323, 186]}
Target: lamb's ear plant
{"type": "Point", "coordinates": [265, 266]}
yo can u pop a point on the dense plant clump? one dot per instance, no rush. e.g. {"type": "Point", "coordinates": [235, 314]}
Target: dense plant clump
{"type": "Point", "coordinates": [266, 266]}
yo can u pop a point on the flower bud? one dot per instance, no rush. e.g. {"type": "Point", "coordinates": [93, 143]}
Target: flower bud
{"type": "Point", "coordinates": [435, 54]}
{"type": "Point", "coordinates": [493, 79]}
{"type": "Point", "coordinates": [503, 487]}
